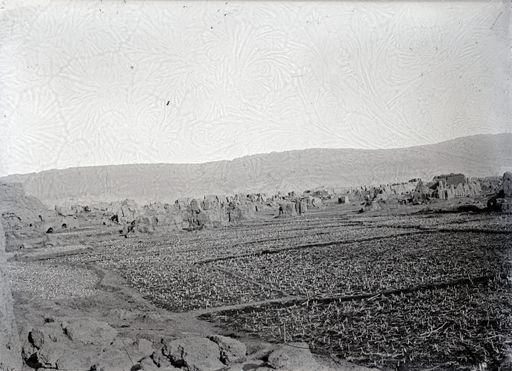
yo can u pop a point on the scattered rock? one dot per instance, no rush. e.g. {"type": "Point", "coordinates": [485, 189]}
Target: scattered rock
{"type": "Point", "coordinates": [46, 357]}
{"type": "Point", "coordinates": [147, 364]}
{"type": "Point", "coordinates": [145, 347]}
{"type": "Point", "coordinates": [89, 331]}
{"type": "Point", "coordinates": [39, 337]}
{"type": "Point", "coordinates": [76, 360]}
{"type": "Point", "coordinates": [114, 359]}
{"type": "Point", "coordinates": [194, 354]}
{"type": "Point", "coordinates": [159, 358]}
{"type": "Point", "coordinates": [36, 338]}
{"type": "Point", "coordinates": [293, 357]}
{"type": "Point", "coordinates": [26, 351]}
{"type": "Point", "coordinates": [231, 350]}
{"type": "Point", "coordinates": [259, 349]}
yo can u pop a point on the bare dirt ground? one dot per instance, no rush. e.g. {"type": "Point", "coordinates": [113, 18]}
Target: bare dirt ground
{"type": "Point", "coordinates": [45, 291]}
{"type": "Point", "coordinates": [388, 289]}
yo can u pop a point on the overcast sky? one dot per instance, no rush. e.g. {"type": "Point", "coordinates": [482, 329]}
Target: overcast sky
{"type": "Point", "coordinates": [111, 82]}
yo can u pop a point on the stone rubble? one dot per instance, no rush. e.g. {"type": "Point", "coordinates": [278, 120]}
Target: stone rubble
{"type": "Point", "coordinates": [87, 344]}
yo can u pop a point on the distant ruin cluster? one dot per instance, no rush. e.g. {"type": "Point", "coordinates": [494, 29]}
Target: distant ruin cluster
{"type": "Point", "coordinates": [30, 224]}
{"type": "Point", "coordinates": [194, 213]}
{"type": "Point", "coordinates": [415, 191]}
{"type": "Point", "coordinates": [447, 187]}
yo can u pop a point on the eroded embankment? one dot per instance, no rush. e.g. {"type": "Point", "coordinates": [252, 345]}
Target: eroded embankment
{"type": "Point", "coordinates": [10, 351]}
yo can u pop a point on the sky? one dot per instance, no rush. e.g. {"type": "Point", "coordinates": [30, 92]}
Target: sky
{"type": "Point", "coordinates": [112, 82]}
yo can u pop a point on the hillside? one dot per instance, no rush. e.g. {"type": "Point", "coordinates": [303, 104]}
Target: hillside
{"type": "Point", "coordinates": [479, 155]}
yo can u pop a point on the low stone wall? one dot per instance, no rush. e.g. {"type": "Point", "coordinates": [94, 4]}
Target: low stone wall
{"type": "Point", "coordinates": [10, 351]}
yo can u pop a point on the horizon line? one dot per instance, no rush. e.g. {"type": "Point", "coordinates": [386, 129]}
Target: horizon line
{"type": "Point", "coordinates": [253, 155]}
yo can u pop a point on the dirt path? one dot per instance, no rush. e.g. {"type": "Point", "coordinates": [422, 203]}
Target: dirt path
{"type": "Point", "coordinates": [108, 298]}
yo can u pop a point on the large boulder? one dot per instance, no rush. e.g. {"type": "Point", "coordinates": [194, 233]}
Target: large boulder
{"type": "Point", "coordinates": [114, 359]}
{"type": "Point", "coordinates": [144, 346]}
{"type": "Point", "coordinates": [44, 335]}
{"type": "Point", "coordinates": [194, 354]}
{"type": "Point", "coordinates": [89, 331]}
{"type": "Point", "coordinates": [293, 357]}
{"type": "Point", "coordinates": [231, 350]}
{"type": "Point", "coordinates": [47, 356]}
{"type": "Point", "coordinates": [147, 364]}
{"type": "Point", "coordinates": [49, 347]}
{"type": "Point", "coordinates": [160, 357]}
{"type": "Point", "coordinates": [81, 345]}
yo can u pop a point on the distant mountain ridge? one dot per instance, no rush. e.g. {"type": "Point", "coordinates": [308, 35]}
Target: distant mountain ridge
{"type": "Point", "coordinates": [479, 155]}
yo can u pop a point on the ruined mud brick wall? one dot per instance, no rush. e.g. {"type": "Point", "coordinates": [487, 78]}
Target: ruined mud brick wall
{"type": "Point", "coordinates": [23, 218]}
{"type": "Point", "coordinates": [469, 188]}
{"type": "Point", "coordinates": [10, 351]}
{"type": "Point", "coordinates": [451, 179]}
{"type": "Point", "coordinates": [382, 192]}
{"type": "Point", "coordinates": [504, 197]}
